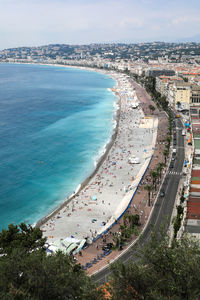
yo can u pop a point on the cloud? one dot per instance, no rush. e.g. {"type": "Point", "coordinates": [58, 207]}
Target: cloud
{"type": "Point", "coordinates": [185, 20]}
{"type": "Point", "coordinates": [34, 22]}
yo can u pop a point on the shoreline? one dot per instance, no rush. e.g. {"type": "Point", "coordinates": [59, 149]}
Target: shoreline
{"type": "Point", "coordinates": [83, 184]}
{"type": "Point", "coordinates": [101, 159]}
{"type": "Point", "coordinates": [125, 92]}
{"type": "Point", "coordinates": [133, 133]}
{"type": "Point", "coordinates": [98, 163]}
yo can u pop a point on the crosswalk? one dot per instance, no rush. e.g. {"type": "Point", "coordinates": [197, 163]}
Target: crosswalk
{"type": "Point", "coordinates": [174, 173]}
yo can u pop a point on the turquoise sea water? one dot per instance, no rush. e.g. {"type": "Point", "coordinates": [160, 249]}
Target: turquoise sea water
{"type": "Point", "coordinates": [54, 123]}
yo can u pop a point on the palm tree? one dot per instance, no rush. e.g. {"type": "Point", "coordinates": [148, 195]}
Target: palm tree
{"type": "Point", "coordinates": [154, 175]}
{"type": "Point", "coordinates": [159, 169]}
{"type": "Point", "coordinates": [166, 153]}
{"type": "Point", "coordinates": [149, 188]}
{"type": "Point", "coordinates": [152, 108]}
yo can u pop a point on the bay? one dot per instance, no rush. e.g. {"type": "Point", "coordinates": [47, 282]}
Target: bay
{"type": "Point", "coordinates": [54, 124]}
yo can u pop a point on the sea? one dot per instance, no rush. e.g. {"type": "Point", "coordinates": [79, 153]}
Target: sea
{"type": "Point", "coordinates": [55, 123]}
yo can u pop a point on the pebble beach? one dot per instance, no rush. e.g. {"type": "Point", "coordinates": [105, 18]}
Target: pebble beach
{"type": "Point", "coordinates": [107, 194]}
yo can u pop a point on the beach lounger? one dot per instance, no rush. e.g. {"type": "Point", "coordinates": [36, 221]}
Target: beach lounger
{"type": "Point", "coordinates": [88, 265]}
{"type": "Point", "coordinates": [94, 261]}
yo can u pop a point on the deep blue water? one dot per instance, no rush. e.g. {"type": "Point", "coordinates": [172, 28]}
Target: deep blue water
{"type": "Point", "coordinates": [54, 122]}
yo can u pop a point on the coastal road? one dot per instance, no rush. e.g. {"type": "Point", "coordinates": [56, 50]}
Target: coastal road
{"type": "Point", "coordinates": [163, 208]}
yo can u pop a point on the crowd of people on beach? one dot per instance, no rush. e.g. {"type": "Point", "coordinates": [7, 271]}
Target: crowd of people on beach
{"type": "Point", "coordinates": [88, 212]}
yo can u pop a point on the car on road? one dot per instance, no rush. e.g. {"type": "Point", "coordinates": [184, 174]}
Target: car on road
{"type": "Point", "coordinates": [174, 143]}
{"type": "Point", "coordinates": [173, 158]}
{"type": "Point", "coordinates": [162, 193]}
{"type": "Point", "coordinates": [183, 132]}
{"type": "Point", "coordinates": [171, 165]}
{"type": "Point", "coordinates": [174, 151]}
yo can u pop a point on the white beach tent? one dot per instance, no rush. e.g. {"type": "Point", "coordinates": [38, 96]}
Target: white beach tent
{"type": "Point", "coordinates": [68, 245]}
{"type": "Point", "coordinates": [57, 246]}
{"type": "Point", "coordinates": [72, 240]}
{"type": "Point", "coordinates": [134, 160]}
{"type": "Point", "coordinates": [53, 248]}
{"type": "Point", "coordinates": [82, 243]}
{"type": "Point", "coordinates": [71, 248]}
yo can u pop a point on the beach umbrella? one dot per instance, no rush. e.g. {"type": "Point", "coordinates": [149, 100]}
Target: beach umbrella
{"type": "Point", "coordinates": [94, 198]}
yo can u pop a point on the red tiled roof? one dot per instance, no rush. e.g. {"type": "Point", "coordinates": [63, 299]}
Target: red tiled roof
{"type": "Point", "coordinates": [192, 190]}
{"type": "Point", "coordinates": [195, 173]}
{"type": "Point", "coordinates": [195, 181]}
{"type": "Point", "coordinates": [193, 199]}
{"type": "Point", "coordinates": [193, 215]}
{"type": "Point", "coordinates": [193, 209]}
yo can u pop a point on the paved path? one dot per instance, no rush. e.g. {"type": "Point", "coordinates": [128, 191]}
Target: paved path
{"type": "Point", "coordinates": [140, 201]}
{"type": "Point", "coordinates": [162, 210]}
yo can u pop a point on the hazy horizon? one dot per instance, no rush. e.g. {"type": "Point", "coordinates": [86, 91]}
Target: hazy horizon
{"type": "Point", "coordinates": [26, 23]}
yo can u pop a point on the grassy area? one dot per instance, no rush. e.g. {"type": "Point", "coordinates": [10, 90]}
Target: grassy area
{"type": "Point", "coordinates": [197, 161]}
{"type": "Point", "coordinates": [197, 144]}
{"type": "Point", "coordinates": [196, 135]}
{"type": "Point", "coordinates": [195, 178]}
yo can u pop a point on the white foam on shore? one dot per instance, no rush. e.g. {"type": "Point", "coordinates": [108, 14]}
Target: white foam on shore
{"type": "Point", "coordinates": [100, 153]}
{"type": "Point", "coordinates": [111, 182]}
{"type": "Point", "coordinates": [103, 149]}
{"type": "Point", "coordinates": [78, 188]}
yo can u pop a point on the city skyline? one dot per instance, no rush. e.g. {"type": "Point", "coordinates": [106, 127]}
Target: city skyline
{"type": "Point", "coordinates": [33, 23]}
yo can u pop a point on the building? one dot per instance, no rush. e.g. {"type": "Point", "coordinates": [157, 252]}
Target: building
{"type": "Point", "coordinates": [158, 72]}
{"type": "Point", "coordinates": [179, 94]}
{"type": "Point", "coordinates": [195, 95]}
{"type": "Point", "coordinates": [163, 82]}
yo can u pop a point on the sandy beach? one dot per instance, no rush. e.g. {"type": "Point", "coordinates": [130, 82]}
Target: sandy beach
{"type": "Point", "coordinates": [108, 193]}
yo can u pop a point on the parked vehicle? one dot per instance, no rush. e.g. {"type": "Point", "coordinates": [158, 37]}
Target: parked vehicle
{"type": "Point", "coordinates": [174, 151]}
{"type": "Point", "coordinates": [162, 193]}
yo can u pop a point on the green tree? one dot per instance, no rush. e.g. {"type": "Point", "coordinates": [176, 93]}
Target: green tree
{"type": "Point", "coordinates": [149, 188]}
{"type": "Point", "coordinates": [134, 220]}
{"type": "Point", "coordinates": [24, 237]}
{"type": "Point", "coordinates": [161, 272]}
{"type": "Point", "coordinates": [159, 169]}
{"type": "Point", "coordinates": [38, 276]}
{"type": "Point", "coordinates": [152, 108]}
{"type": "Point", "coordinates": [27, 272]}
{"type": "Point", "coordinates": [166, 154]}
{"type": "Point", "coordinates": [154, 175]}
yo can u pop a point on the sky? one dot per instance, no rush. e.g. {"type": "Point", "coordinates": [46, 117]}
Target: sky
{"type": "Point", "coordinates": [42, 22]}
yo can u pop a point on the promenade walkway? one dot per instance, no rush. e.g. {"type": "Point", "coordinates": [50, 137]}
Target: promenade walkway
{"type": "Point", "coordinates": [92, 257]}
